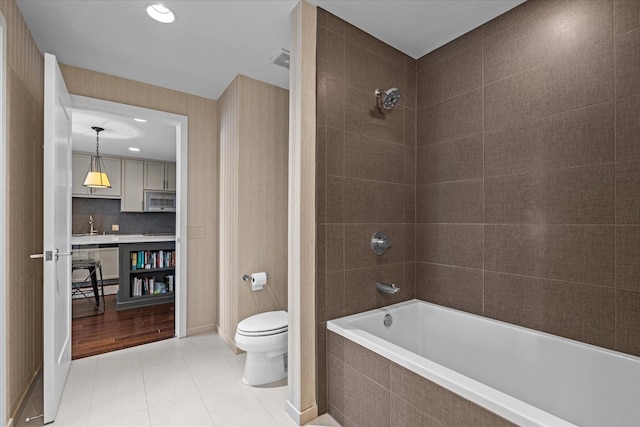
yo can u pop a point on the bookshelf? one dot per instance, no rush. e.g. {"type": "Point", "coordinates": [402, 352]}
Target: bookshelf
{"type": "Point", "coordinates": [147, 274]}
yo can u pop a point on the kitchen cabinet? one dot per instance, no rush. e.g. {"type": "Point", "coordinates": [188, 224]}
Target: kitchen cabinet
{"type": "Point", "coordinates": [109, 257]}
{"type": "Point", "coordinates": [80, 165]}
{"type": "Point", "coordinates": [160, 176]}
{"type": "Point", "coordinates": [132, 199]}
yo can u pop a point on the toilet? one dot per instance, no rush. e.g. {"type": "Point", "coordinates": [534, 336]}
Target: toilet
{"type": "Point", "coordinates": [264, 337]}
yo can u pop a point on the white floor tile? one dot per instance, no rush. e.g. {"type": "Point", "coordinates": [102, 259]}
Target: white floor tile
{"type": "Point", "coordinates": [194, 381]}
{"type": "Point", "coordinates": [117, 362]}
{"type": "Point", "coordinates": [117, 395]}
{"type": "Point", "coordinates": [188, 410]}
{"type": "Point", "coordinates": [135, 419]}
{"type": "Point", "coordinates": [234, 405]}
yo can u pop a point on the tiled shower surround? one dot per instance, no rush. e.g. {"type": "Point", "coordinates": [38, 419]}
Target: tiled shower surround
{"type": "Point", "coordinates": [523, 203]}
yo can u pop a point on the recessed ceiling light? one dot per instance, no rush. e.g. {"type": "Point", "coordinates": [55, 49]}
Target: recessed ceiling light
{"type": "Point", "coordinates": [140, 120]}
{"type": "Point", "coordinates": [161, 13]}
{"type": "Point", "coordinates": [134, 149]}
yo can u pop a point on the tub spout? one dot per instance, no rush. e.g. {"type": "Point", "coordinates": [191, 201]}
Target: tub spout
{"type": "Point", "coordinates": [387, 289]}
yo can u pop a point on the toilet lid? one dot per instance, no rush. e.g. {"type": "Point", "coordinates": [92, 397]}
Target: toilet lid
{"type": "Point", "coordinates": [269, 323]}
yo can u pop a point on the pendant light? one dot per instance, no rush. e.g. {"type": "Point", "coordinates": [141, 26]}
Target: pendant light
{"type": "Point", "coordinates": [97, 173]}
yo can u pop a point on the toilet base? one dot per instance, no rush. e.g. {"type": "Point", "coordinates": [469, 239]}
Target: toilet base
{"type": "Point", "coordinates": [264, 368]}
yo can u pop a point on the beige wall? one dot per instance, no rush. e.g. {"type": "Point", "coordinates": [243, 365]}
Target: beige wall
{"type": "Point", "coordinates": [253, 119]}
{"type": "Point", "coordinates": [25, 99]}
{"type": "Point", "coordinates": [202, 175]}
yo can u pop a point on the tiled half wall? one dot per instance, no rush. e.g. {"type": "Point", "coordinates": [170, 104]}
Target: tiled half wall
{"type": "Point", "coordinates": [520, 199]}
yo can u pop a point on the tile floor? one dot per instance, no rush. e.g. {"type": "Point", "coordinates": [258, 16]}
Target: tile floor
{"type": "Point", "coordinates": [194, 381]}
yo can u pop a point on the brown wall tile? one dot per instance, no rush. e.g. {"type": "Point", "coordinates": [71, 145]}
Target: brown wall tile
{"type": "Point", "coordinates": [335, 152]}
{"type": "Point", "coordinates": [335, 295]}
{"type": "Point", "coordinates": [628, 128]}
{"type": "Point", "coordinates": [334, 247]}
{"type": "Point", "coordinates": [457, 202]}
{"type": "Point", "coordinates": [370, 408]}
{"type": "Point", "coordinates": [409, 242]}
{"type": "Point", "coordinates": [403, 414]}
{"type": "Point", "coordinates": [335, 345]}
{"type": "Point", "coordinates": [335, 200]}
{"type": "Point", "coordinates": [628, 192]}
{"type": "Point", "coordinates": [628, 64]}
{"type": "Point", "coordinates": [410, 128]}
{"type": "Point", "coordinates": [373, 202]}
{"type": "Point", "coordinates": [409, 280]}
{"type": "Point", "coordinates": [577, 253]}
{"type": "Point", "coordinates": [330, 22]}
{"type": "Point", "coordinates": [451, 244]}
{"type": "Point", "coordinates": [321, 273]}
{"type": "Point", "coordinates": [410, 84]}
{"type": "Point", "coordinates": [358, 37]}
{"type": "Point", "coordinates": [580, 312]}
{"type": "Point", "coordinates": [409, 166]}
{"type": "Point", "coordinates": [577, 80]}
{"type": "Point", "coordinates": [574, 138]}
{"type": "Point", "coordinates": [440, 404]}
{"type": "Point", "coordinates": [455, 76]}
{"type": "Point", "coordinates": [367, 71]}
{"type": "Point", "coordinates": [563, 28]}
{"type": "Point", "coordinates": [321, 174]}
{"type": "Point", "coordinates": [628, 257]}
{"type": "Point", "coordinates": [321, 367]}
{"type": "Point", "coordinates": [627, 15]}
{"type": "Point", "coordinates": [335, 376]}
{"type": "Point", "coordinates": [516, 16]}
{"type": "Point", "coordinates": [627, 321]}
{"type": "Point", "coordinates": [357, 248]}
{"type": "Point", "coordinates": [368, 363]}
{"type": "Point", "coordinates": [459, 288]}
{"type": "Point", "coordinates": [452, 119]}
{"type": "Point", "coordinates": [362, 116]}
{"type": "Point", "coordinates": [456, 160]}
{"type": "Point", "coordinates": [582, 195]}
{"type": "Point", "coordinates": [373, 159]}
{"type": "Point", "coordinates": [330, 102]}
{"type": "Point", "coordinates": [466, 41]}
{"type": "Point", "coordinates": [360, 287]}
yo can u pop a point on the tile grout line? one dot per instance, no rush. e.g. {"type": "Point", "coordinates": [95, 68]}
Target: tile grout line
{"type": "Point", "coordinates": [483, 166]}
{"type": "Point", "coordinates": [615, 192]}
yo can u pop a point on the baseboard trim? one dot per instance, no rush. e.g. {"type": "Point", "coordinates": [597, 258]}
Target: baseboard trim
{"type": "Point", "coordinates": [201, 329]}
{"type": "Point", "coordinates": [231, 343]}
{"type": "Point", "coordinates": [303, 417]}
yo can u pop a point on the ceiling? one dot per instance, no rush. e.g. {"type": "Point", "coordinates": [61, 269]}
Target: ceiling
{"type": "Point", "coordinates": [213, 41]}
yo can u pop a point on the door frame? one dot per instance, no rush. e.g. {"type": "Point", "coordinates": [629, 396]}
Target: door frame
{"type": "Point", "coordinates": [181, 124]}
{"type": "Point", "coordinates": [3, 219]}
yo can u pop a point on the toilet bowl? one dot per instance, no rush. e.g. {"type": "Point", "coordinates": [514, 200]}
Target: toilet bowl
{"type": "Point", "coordinates": [264, 337]}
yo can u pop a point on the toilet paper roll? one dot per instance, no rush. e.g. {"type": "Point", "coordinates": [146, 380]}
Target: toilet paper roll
{"type": "Point", "coordinates": [258, 280]}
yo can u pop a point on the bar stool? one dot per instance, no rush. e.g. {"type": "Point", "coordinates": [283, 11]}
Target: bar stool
{"type": "Point", "coordinates": [78, 288]}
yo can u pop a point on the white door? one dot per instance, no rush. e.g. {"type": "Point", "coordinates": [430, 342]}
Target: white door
{"type": "Point", "coordinates": [57, 236]}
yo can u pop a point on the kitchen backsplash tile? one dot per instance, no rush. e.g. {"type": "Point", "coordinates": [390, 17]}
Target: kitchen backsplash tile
{"type": "Point", "coordinates": [107, 212]}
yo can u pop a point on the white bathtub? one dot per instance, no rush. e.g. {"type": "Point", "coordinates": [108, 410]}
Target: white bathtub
{"type": "Point", "coordinates": [530, 378]}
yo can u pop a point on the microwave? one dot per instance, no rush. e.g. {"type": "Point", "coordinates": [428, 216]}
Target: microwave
{"type": "Point", "coordinates": [159, 201]}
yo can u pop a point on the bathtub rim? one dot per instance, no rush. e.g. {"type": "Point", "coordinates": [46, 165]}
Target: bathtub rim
{"type": "Point", "coordinates": [500, 403]}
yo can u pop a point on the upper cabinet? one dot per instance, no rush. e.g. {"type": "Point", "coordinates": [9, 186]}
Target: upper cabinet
{"type": "Point", "coordinates": [80, 165]}
{"type": "Point", "coordinates": [132, 189]}
{"type": "Point", "coordinates": [159, 176]}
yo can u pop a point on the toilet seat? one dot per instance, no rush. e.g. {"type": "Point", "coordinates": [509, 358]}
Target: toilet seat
{"type": "Point", "coordinates": [264, 324]}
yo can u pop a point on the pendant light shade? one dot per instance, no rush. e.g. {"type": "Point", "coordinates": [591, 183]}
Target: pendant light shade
{"type": "Point", "coordinates": [97, 174]}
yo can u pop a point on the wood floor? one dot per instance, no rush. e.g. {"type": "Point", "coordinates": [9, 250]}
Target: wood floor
{"type": "Point", "coordinates": [115, 330]}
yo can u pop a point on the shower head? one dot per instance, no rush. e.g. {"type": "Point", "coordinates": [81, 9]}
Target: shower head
{"type": "Point", "coordinates": [387, 99]}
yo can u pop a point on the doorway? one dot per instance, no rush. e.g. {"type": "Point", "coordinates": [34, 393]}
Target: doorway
{"type": "Point", "coordinates": [180, 124]}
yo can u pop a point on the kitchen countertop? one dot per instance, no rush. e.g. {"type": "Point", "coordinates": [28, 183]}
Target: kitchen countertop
{"type": "Point", "coordinates": [111, 239]}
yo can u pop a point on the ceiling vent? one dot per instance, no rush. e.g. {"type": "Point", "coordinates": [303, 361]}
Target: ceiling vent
{"type": "Point", "coordinates": [281, 58]}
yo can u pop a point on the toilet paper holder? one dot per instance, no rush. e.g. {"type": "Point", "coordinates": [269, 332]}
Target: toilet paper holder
{"type": "Point", "coordinates": [247, 277]}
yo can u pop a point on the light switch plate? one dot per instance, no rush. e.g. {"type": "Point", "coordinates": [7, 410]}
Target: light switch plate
{"type": "Point", "coordinates": [115, 227]}
{"type": "Point", "coordinates": [196, 232]}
